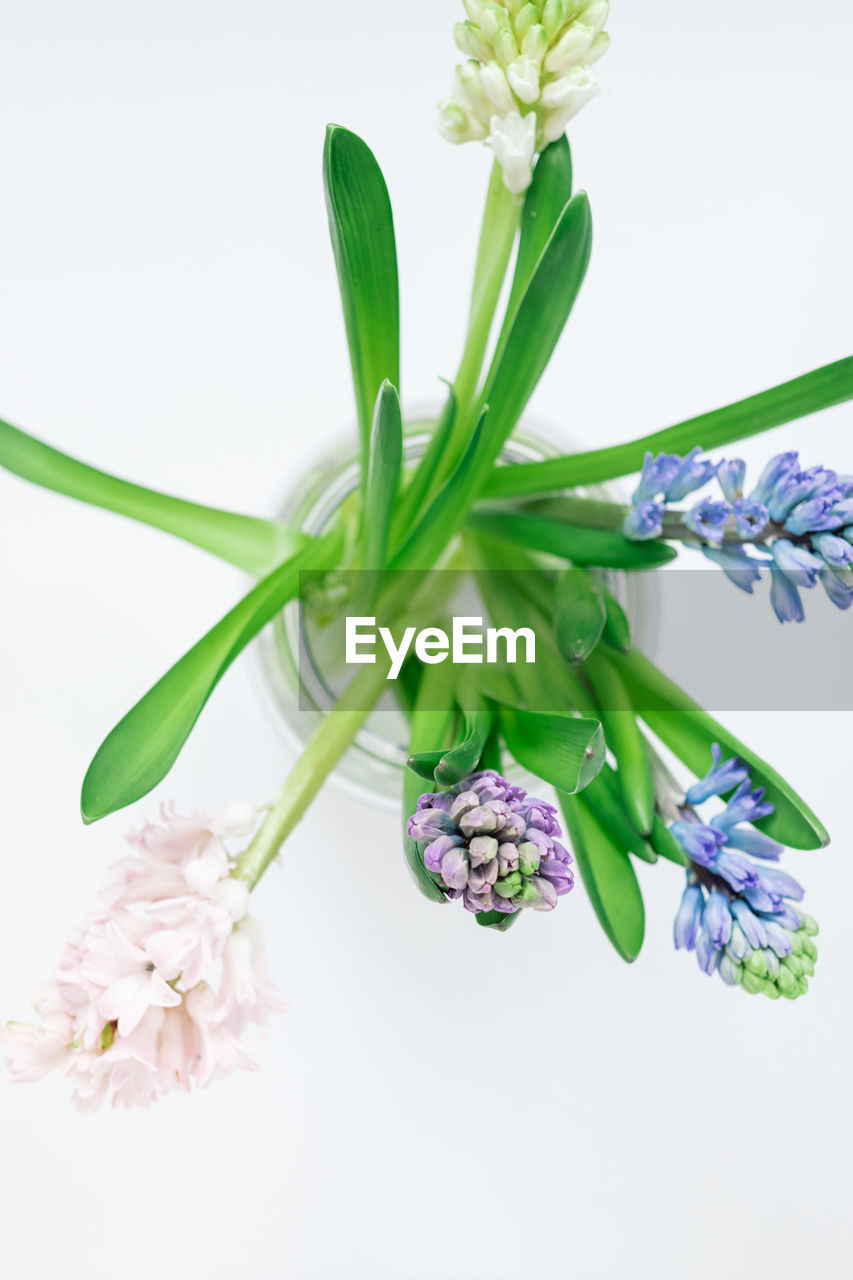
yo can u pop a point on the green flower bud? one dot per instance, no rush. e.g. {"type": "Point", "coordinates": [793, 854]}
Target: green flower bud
{"type": "Point", "coordinates": [528, 15]}
{"type": "Point", "coordinates": [753, 982]}
{"type": "Point", "coordinates": [528, 858]}
{"type": "Point", "coordinates": [809, 948]}
{"type": "Point", "coordinates": [506, 49]}
{"type": "Point", "coordinates": [511, 886]}
{"type": "Point", "coordinates": [469, 40]}
{"type": "Point", "coordinates": [756, 962]}
{"type": "Point", "coordinates": [787, 983]}
{"type": "Point", "coordinates": [555, 15]}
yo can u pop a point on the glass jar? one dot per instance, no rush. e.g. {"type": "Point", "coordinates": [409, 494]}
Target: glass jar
{"type": "Point", "coordinates": [291, 683]}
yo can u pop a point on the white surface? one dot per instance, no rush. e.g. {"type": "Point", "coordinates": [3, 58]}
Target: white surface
{"type": "Point", "coordinates": [439, 1103]}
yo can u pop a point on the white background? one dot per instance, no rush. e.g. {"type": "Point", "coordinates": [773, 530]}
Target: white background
{"type": "Point", "coordinates": [439, 1102]}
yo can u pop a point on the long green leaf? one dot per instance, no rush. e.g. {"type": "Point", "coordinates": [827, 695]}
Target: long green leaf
{"type": "Point", "coordinates": [688, 730]}
{"type": "Point", "coordinates": [623, 737]}
{"type": "Point", "coordinates": [609, 879]}
{"type": "Point", "coordinates": [446, 513]}
{"type": "Point", "coordinates": [617, 628]}
{"type": "Point", "coordinates": [431, 724]}
{"type": "Point", "coordinates": [831, 384]}
{"type": "Point", "coordinates": [362, 231]}
{"type": "Point", "coordinates": [421, 485]}
{"type": "Point", "coordinates": [572, 542]}
{"type": "Point", "coordinates": [383, 476]}
{"type": "Point", "coordinates": [565, 751]}
{"type": "Point", "coordinates": [144, 745]}
{"type": "Point", "coordinates": [252, 544]}
{"type": "Point", "coordinates": [604, 797]}
{"type": "Point", "coordinates": [537, 324]}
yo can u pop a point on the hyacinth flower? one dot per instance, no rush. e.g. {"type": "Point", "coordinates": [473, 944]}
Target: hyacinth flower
{"type": "Point", "coordinates": [157, 990]}
{"type": "Point", "coordinates": [492, 845]}
{"type": "Point", "coordinates": [529, 72]}
{"type": "Point", "coordinates": [739, 911]}
{"type": "Point", "coordinates": [796, 523]}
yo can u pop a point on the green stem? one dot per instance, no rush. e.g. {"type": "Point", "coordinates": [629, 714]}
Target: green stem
{"type": "Point", "coordinates": [500, 224]}
{"type": "Point", "coordinates": [329, 742]}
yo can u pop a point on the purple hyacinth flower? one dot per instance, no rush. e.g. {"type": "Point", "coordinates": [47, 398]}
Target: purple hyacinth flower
{"type": "Point", "coordinates": [427, 824]}
{"type": "Point", "coordinates": [844, 508]}
{"type": "Point", "coordinates": [691, 475]}
{"type": "Point", "coordinates": [752, 927]}
{"type": "Point", "coordinates": [435, 851]}
{"type": "Point", "coordinates": [698, 841]}
{"type": "Point", "coordinates": [492, 845]}
{"type": "Point", "coordinates": [779, 884]}
{"type": "Point", "coordinates": [644, 521]}
{"type": "Point", "coordinates": [837, 552]}
{"type": "Point", "coordinates": [785, 598]}
{"type": "Point", "coordinates": [723, 776]}
{"type": "Point", "coordinates": [746, 805]}
{"type": "Point", "coordinates": [837, 589]}
{"type": "Point", "coordinates": [797, 487]}
{"type": "Point", "coordinates": [658, 474]}
{"type": "Point", "coordinates": [751, 518]}
{"type": "Point", "coordinates": [542, 816]}
{"type": "Point", "coordinates": [708, 519]}
{"type": "Point", "coordinates": [739, 568]}
{"type": "Point", "coordinates": [778, 939]}
{"type": "Point", "coordinates": [707, 954]}
{"type": "Point", "coordinates": [731, 473]}
{"type": "Point", "coordinates": [813, 516]}
{"type": "Point", "coordinates": [736, 870]}
{"type": "Point", "coordinates": [717, 919]}
{"type": "Point", "coordinates": [775, 472]}
{"type": "Point", "coordinates": [688, 918]}
{"type": "Point", "coordinates": [798, 564]}
{"type": "Point", "coordinates": [753, 842]}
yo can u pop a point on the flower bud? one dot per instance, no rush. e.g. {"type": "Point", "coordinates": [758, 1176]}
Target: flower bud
{"type": "Point", "coordinates": [469, 40]}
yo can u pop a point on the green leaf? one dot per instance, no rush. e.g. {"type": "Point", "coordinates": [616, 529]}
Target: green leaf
{"type": "Point", "coordinates": [831, 384]}
{"type": "Point", "coordinates": [424, 763]}
{"type": "Point", "coordinates": [144, 745]}
{"type": "Point", "coordinates": [603, 797]}
{"type": "Point", "coordinates": [545, 199]}
{"type": "Point", "coordinates": [665, 844]}
{"type": "Point", "coordinates": [446, 512]}
{"type": "Point", "coordinates": [499, 921]}
{"type": "Point", "coordinates": [464, 758]}
{"type": "Point", "coordinates": [564, 750]}
{"type": "Point", "coordinates": [609, 879]}
{"type": "Point", "coordinates": [688, 730]}
{"type": "Point", "coordinates": [572, 542]}
{"type": "Point", "coordinates": [431, 725]}
{"type": "Point", "coordinates": [537, 324]}
{"type": "Point", "coordinates": [579, 614]}
{"type": "Point", "coordinates": [250, 543]}
{"type": "Point", "coordinates": [383, 476]}
{"type": "Point", "coordinates": [617, 629]}
{"type": "Point", "coordinates": [623, 737]}
{"type": "Point", "coordinates": [362, 231]}
{"type": "Point", "coordinates": [419, 489]}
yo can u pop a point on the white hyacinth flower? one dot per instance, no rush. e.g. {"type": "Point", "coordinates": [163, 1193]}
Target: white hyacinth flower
{"type": "Point", "coordinates": [530, 71]}
{"type": "Point", "coordinates": [513, 139]}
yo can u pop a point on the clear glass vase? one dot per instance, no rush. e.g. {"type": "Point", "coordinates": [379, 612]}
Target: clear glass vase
{"type": "Point", "coordinates": [289, 675]}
